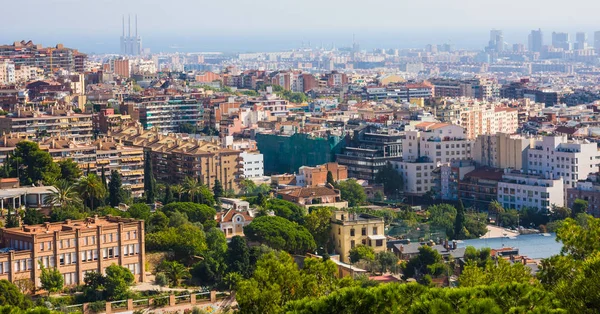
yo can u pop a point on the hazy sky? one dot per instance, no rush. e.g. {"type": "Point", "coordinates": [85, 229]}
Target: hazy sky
{"type": "Point", "coordinates": [249, 24]}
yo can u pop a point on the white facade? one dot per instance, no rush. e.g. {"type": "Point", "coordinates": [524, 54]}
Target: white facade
{"type": "Point", "coordinates": [518, 191]}
{"type": "Point", "coordinates": [253, 165]}
{"type": "Point", "coordinates": [251, 116]}
{"type": "Point", "coordinates": [7, 72]}
{"type": "Point", "coordinates": [418, 176]}
{"type": "Point", "coordinates": [440, 142]}
{"type": "Point", "coordinates": [571, 160]}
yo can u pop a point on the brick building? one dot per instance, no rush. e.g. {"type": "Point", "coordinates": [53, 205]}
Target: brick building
{"type": "Point", "coordinates": [74, 248]}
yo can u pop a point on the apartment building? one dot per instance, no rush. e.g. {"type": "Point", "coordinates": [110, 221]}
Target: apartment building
{"type": "Point", "coordinates": [369, 151]}
{"type": "Point", "coordinates": [127, 160]}
{"type": "Point", "coordinates": [56, 121]}
{"type": "Point", "coordinates": [560, 157]}
{"type": "Point", "coordinates": [349, 230]}
{"type": "Point", "coordinates": [253, 165]}
{"type": "Point", "coordinates": [426, 148]}
{"type": "Point", "coordinates": [479, 187]}
{"type": "Point", "coordinates": [589, 191]}
{"type": "Point", "coordinates": [7, 72]}
{"type": "Point", "coordinates": [313, 196]}
{"type": "Point", "coordinates": [48, 58]}
{"type": "Point", "coordinates": [218, 109]}
{"type": "Point", "coordinates": [107, 120]}
{"type": "Point", "coordinates": [478, 117]}
{"type": "Point", "coordinates": [519, 190]}
{"type": "Point", "coordinates": [166, 113]}
{"type": "Point", "coordinates": [273, 105]}
{"type": "Point", "coordinates": [74, 248]}
{"type": "Point", "coordinates": [501, 150]}
{"type": "Point", "coordinates": [173, 158]}
{"type": "Point", "coordinates": [317, 176]}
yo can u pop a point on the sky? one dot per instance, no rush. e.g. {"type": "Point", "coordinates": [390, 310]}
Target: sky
{"type": "Point", "coordinates": [269, 25]}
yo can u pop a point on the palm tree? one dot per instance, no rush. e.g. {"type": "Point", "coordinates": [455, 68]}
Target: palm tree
{"type": "Point", "coordinates": [177, 188]}
{"type": "Point", "coordinates": [63, 194]}
{"type": "Point", "coordinates": [90, 187]}
{"type": "Point", "coordinates": [191, 188]}
{"type": "Point", "coordinates": [174, 270]}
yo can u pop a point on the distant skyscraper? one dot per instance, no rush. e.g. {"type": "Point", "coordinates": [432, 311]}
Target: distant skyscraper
{"type": "Point", "coordinates": [597, 41]}
{"type": "Point", "coordinates": [131, 45]}
{"type": "Point", "coordinates": [561, 40]}
{"type": "Point", "coordinates": [496, 40]}
{"type": "Point", "coordinates": [580, 40]}
{"type": "Point", "coordinates": [536, 41]}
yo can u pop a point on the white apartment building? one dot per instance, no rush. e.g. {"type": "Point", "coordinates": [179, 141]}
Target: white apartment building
{"type": "Point", "coordinates": [253, 164]}
{"type": "Point", "coordinates": [426, 148]}
{"type": "Point", "coordinates": [7, 72]}
{"type": "Point", "coordinates": [418, 176]}
{"type": "Point", "coordinates": [251, 116]}
{"type": "Point", "coordinates": [517, 190]}
{"type": "Point", "coordinates": [440, 142]}
{"type": "Point", "coordinates": [571, 160]}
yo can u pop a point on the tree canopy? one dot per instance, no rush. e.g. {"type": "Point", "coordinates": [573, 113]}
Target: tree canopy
{"type": "Point", "coordinates": [352, 192]}
{"type": "Point", "coordinates": [280, 234]}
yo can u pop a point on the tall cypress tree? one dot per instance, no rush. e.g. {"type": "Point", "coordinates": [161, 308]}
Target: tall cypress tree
{"type": "Point", "coordinates": [168, 195]}
{"type": "Point", "coordinates": [149, 182]}
{"type": "Point", "coordinates": [115, 194]}
{"type": "Point", "coordinates": [218, 189]}
{"type": "Point", "coordinates": [104, 179]}
{"type": "Point", "coordinates": [459, 223]}
{"type": "Point", "coordinates": [330, 178]}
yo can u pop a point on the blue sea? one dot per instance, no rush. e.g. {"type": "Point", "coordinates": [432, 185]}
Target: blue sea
{"type": "Point", "coordinates": [533, 246]}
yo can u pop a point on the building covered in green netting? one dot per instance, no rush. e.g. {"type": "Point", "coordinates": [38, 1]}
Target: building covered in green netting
{"type": "Point", "coordinates": [287, 153]}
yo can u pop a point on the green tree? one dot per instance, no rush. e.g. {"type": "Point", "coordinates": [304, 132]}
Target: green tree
{"type": "Point", "coordinates": [117, 282]}
{"type": "Point", "coordinates": [247, 187]}
{"type": "Point", "coordinates": [352, 192]}
{"type": "Point", "coordinates": [90, 188]}
{"type": "Point", "coordinates": [195, 212]}
{"type": "Point", "coordinates": [149, 181]}
{"type": "Point", "coordinates": [276, 281]}
{"type": "Point", "coordinates": [168, 196]}
{"type": "Point", "coordinates": [560, 213]}
{"type": "Point", "coordinates": [33, 216]}
{"type": "Point", "coordinates": [261, 200]}
{"type": "Point", "coordinates": [11, 295]}
{"type": "Point", "coordinates": [287, 210]}
{"type": "Point", "coordinates": [174, 271]}
{"type": "Point", "coordinates": [442, 216]}
{"type": "Point", "coordinates": [64, 194]}
{"type": "Point", "coordinates": [386, 261]}
{"type": "Point", "coordinates": [33, 164]}
{"type": "Point", "coordinates": [157, 222]}
{"type": "Point", "coordinates": [478, 257]}
{"type": "Point", "coordinates": [238, 256]}
{"type": "Point", "coordinates": [579, 206]}
{"type": "Point", "coordinates": [280, 234]}
{"type": "Point", "coordinates": [459, 221]}
{"type": "Point", "coordinates": [51, 279]}
{"type": "Point", "coordinates": [427, 262]}
{"type": "Point", "coordinates": [103, 178]}
{"type": "Point", "coordinates": [69, 170]}
{"type": "Point", "coordinates": [330, 179]}
{"type": "Point", "coordinates": [185, 242]}
{"type": "Point", "coordinates": [218, 189]}
{"type": "Point", "coordinates": [391, 179]}
{"type": "Point", "coordinates": [362, 252]}
{"type": "Point", "coordinates": [502, 272]}
{"type": "Point", "coordinates": [579, 240]}
{"type": "Point", "coordinates": [318, 223]}
{"type": "Point", "coordinates": [115, 189]}
{"type": "Point", "coordinates": [139, 211]}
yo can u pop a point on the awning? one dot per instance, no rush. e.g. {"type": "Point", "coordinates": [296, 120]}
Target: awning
{"type": "Point", "coordinates": [377, 237]}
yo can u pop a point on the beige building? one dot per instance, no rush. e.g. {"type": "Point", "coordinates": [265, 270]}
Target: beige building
{"type": "Point", "coordinates": [56, 121]}
{"type": "Point", "coordinates": [349, 230]}
{"type": "Point", "coordinates": [74, 247]}
{"type": "Point", "coordinates": [501, 150]}
{"type": "Point", "coordinates": [175, 158]}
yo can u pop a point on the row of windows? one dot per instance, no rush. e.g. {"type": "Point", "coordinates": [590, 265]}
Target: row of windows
{"type": "Point", "coordinates": [363, 231]}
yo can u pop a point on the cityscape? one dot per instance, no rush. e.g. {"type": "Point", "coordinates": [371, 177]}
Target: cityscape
{"type": "Point", "coordinates": [303, 172]}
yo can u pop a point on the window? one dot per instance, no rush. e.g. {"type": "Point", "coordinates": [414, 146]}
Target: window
{"type": "Point", "coordinates": [378, 242]}
{"type": "Point", "coordinates": [351, 232]}
{"type": "Point", "coordinates": [374, 230]}
{"type": "Point", "coordinates": [364, 231]}
{"type": "Point", "coordinates": [62, 259]}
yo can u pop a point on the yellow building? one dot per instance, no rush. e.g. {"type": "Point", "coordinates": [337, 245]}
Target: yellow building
{"type": "Point", "coordinates": [349, 230]}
